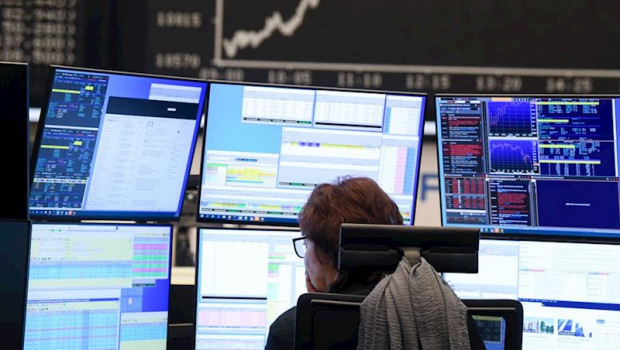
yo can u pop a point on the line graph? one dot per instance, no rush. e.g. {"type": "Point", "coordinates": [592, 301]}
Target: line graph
{"type": "Point", "coordinates": [330, 40]}
{"type": "Point", "coordinates": [513, 156]}
{"type": "Point", "coordinates": [243, 39]}
{"type": "Point", "coordinates": [511, 118]}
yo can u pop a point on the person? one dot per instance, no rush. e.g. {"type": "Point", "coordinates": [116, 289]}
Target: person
{"type": "Point", "coordinates": [357, 200]}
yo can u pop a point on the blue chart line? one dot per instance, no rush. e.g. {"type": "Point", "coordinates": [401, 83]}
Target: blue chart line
{"type": "Point", "coordinates": [513, 156]}
{"type": "Point", "coordinates": [246, 38]}
{"type": "Point", "coordinates": [510, 118]}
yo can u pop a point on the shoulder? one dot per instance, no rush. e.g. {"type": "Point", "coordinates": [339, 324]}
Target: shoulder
{"type": "Point", "coordinates": [282, 331]}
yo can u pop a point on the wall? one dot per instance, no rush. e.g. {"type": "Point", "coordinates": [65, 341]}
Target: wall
{"type": "Point", "coordinates": [427, 206]}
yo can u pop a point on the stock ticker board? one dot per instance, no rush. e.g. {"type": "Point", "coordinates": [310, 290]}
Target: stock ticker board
{"type": "Point", "coordinates": [41, 32]}
{"type": "Point", "coordinates": [63, 32]}
{"type": "Point", "coordinates": [481, 46]}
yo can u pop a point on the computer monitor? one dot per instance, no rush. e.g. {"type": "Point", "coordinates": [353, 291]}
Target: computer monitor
{"type": "Point", "coordinates": [14, 250]}
{"type": "Point", "coordinates": [266, 147]}
{"type": "Point", "coordinates": [568, 290]}
{"type": "Point", "coordinates": [14, 139]}
{"type": "Point", "coordinates": [244, 280]}
{"type": "Point", "coordinates": [530, 165]}
{"type": "Point", "coordinates": [114, 145]}
{"type": "Point", "coordinates": [98, 286]}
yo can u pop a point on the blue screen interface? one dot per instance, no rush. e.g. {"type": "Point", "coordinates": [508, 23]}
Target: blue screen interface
{"type": "Point", "coordinates": [530, 165]}
{"type": "Point", "coordinates": [98, 287]}
{"type": "Point", "coordinates": [115, 145]}
{"type": "Point", "coordinates": [266, 148]}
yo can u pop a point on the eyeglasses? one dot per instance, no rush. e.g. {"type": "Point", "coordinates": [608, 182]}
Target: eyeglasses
{"type": "Point", "coordinates": [299, 244]}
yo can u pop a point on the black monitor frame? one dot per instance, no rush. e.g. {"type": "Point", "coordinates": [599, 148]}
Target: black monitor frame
{"type": "Point", "coordinates": [511, 311]}
{"type": "Point", "coordinates": [534, 235]}
{"type": "Point", "coordinates": [381, 247]}
{"type": "Point", "coordinates": [15, 140]}
{"type": "Point", "coordinates": [136, 216]}
{"type": "Point", "coordinates": [199, 219]}
{"type": "Point", "coordinates": [15, 240]}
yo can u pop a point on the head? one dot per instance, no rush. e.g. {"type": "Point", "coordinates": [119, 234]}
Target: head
{"type": "Point", "coordinates": [356, 200]}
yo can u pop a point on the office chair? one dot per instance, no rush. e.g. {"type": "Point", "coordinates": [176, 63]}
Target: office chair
{"type": "Point", "coordinates": [327, 321]}
{"type": "Point", "coordinates": [331, 321]}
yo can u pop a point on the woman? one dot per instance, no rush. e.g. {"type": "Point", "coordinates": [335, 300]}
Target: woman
{"type": "Point", "coordinates": [356, 200]}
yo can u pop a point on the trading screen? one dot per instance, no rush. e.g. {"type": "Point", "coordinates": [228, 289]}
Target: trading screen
{"type": "Point", "coordinates": [115, 145]}
{"type": "Point", "coordinates": [568, 290]}
{"type": "Point", "coordinates": [529, 165]}
{"type": "Point", "coordinates": [267, 147]}
{"type": "Point", "coordinates": [98, 287]}
{"type": "Point", "coordinates": [245, 280]}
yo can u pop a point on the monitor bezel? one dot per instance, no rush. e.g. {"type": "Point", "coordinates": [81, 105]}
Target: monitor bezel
{"type": "Point", "coordinates": [578, 237]}
{"type": "Point", "coordinates": [509, 310]}
{"type": "Point", "coordinates": [424, 111]}
{"type": "Point", "coordinates": [22, 231]}
{"type": "Point", "coordinates": [24, 71]}
{"type": "Point", "coordinates": [169, 226]}
{"type": "Point", "coordinates": [137, 216]}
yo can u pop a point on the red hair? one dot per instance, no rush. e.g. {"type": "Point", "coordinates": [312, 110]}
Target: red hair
{"type": "Point", "coordinates": [356, 200]}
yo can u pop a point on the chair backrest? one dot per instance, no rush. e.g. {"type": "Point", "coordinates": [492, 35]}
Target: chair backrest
{"type": "Point", "coordinates": [327, 321]}
{"type": "Point", "coordinates": [331, 321]}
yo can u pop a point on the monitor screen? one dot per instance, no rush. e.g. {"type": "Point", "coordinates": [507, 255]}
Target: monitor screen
{"type": "Point", "coordinates": [492, 331]}
{"type": "Point", "coordinates": [529, 165]}
{"type": "Point", "coordinates": [14, 139]}
{"type": "Point", "coordinates": [98, 286]}
{"type": "Point", "coordinates": [266, 148]}
{"type": "Point", "coordinates": [244, 280]}
{"type": "Point", "coordinates": [568, 290]}
{"type": "Point", "coordinates": [114, 145]}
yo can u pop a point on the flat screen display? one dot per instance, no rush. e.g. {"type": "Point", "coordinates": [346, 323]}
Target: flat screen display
{"type": "Point", "coordinates": [244, 280]}
{"type": "Point", "coordinates": [14, 140]}
{"type": "Point", "coordinates": [114, 145]}
{"type": "Point", "coordinates": [530, 165]}
{"type": "Point", "coordinates": [568, 290]}
{"type": "Point", "coordinates": [95, 286]}
{"type": "Point", "coordinates": [266, 147]}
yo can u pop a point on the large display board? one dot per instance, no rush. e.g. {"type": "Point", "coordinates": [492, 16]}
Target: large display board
{"type": "Point", "coordinates": [485, 47]}
{"type": "Point", "coordinates": [44, 32]}
{"type": "Point", "coordinates": [452, 46]}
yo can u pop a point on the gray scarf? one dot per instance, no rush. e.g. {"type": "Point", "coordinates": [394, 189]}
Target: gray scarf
{"type": "Point", "coordinates": [413, 308]}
